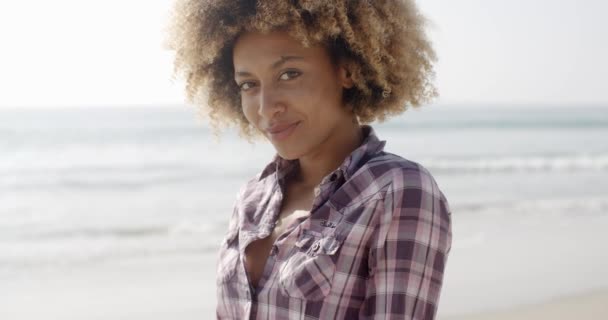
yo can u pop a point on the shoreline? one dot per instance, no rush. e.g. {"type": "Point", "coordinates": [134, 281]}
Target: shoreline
{"type": "Point", "coordinates": [589, 305]}
{"type": "Point", "coordinates": [184, 287]}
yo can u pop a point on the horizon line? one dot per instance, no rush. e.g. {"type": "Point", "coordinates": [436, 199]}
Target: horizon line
{"type": "Point", "coordinates": [459, 105]}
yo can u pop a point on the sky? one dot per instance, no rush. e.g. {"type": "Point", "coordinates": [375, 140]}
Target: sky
{"type": "Point", "coordinates": [109, 53]}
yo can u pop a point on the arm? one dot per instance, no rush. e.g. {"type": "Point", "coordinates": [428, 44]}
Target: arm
{"type": "Point", "coordinates": [409, 252]}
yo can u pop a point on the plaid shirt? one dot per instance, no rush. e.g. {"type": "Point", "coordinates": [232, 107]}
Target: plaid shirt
{"type": "Point", "coordinates": [375, 245]}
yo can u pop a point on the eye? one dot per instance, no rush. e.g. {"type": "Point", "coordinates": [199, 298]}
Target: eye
{"type": "Point", "coordinates": [290, 74]}
{"type": "Point", "coordinates": [245, 85]}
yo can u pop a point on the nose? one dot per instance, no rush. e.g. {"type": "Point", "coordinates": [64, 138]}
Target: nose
{"type": "Point", "coordinates": [270, 103]}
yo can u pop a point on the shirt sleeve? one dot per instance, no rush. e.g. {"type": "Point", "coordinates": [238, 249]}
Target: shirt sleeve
{"type": "Point", "coordinates": [409, 251]}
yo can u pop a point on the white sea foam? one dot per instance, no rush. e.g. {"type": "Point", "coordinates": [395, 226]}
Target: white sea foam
{"type": "Point", "coordinates": [484, 164]}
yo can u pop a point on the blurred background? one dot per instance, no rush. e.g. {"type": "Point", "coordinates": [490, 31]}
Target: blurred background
{"type": "Point", "coordinates": [114, 194]}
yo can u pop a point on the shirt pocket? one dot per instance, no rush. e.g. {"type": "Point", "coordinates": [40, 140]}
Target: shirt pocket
{"type": "Point", "coordinates": [308, 272]}
{"type": "Point", "coordinates": [228, 257]}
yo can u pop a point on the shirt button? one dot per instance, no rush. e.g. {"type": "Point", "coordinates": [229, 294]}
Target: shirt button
{"type": "Point", "coordinates": [317, 191]}
{"type": "Point", "coordinates": [315, 247]}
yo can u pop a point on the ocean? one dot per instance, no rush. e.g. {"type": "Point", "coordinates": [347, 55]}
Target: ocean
{"type": "Point", "coordinates": [528, 190]}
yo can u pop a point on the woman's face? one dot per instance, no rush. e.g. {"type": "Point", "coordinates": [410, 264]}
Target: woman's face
{"type": "Point", "coordinates": [292, 94]}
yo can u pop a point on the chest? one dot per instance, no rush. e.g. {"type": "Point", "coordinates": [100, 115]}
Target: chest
{"type": "Point", "coordinates": [294, 207]}
{"type": "Point", "coordinates": [257, 251]}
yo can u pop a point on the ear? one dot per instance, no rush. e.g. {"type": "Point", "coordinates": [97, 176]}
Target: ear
{"type": "Point", "coordinates": [344, 76]}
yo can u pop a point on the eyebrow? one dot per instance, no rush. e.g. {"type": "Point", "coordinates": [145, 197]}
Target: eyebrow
{"type": "Point", "coordinates": [274, 65]}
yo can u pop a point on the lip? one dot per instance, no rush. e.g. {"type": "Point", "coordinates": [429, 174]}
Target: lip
{"type": "Point", "coordinates": [282, 131]}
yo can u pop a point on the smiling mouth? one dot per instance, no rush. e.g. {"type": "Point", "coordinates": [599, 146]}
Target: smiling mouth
{"type": "Point", "coordinates": [283, 134]}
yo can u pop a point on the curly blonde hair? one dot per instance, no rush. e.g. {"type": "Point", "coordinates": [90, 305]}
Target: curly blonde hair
{"type": "Point", "coordinates": [382, 42]}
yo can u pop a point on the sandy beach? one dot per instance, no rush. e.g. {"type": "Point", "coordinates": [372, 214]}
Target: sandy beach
{"type": "Point", "coordinates": [150, 288]}
{"type": "Point", "coordinates": [183, 288]}
{"type": "Point", "coordinates": [589, 306]}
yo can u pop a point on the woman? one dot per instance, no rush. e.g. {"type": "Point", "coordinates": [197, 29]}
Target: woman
{"type": "Point", "coordinates": [334, 227]}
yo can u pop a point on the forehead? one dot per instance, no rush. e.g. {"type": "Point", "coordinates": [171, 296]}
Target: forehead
{"type": "Point", "coordinates": [252, 48]}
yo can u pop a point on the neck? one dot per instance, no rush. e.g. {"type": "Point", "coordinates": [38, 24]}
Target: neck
{"type": "Point", "coordinates": [330, 155]}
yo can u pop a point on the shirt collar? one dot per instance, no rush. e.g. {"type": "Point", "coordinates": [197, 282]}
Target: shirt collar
{"type": "Point", "coordinates": [371, 145]}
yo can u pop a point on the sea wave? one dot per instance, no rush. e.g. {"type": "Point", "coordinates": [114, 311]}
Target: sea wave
{"type": "Point", "coordinates": [114, 177]}
{"type": "Point", "coordinates": [179, 228]}
{"type": "Point", "coordinates": [84, 245]}
{"type": "Point", "coordinates": [477, 221]}
{"type": "Point", "coordinates": [186, 237]}
{"type": "Point", "coordinates": [552, 207]}
{"type": "Point", "coordinates": [121, 176]}
{"type": "Point", "coordinates": [485, 164]}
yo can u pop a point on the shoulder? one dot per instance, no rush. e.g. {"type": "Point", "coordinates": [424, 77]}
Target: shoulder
{"type": "Point", "coordinates": [387, 173]}
{"type": "Point", "coordinates": [413, 183]}
{"type": "Point", "coordinates": [247, 197]}
{"type": "Point", "coordinates": [253, 188]}
{"type": "Point", "coordinates": [407, 174]}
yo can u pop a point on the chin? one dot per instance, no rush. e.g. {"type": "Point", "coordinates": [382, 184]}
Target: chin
{"type": "Point", "coordinates": [288, 153]}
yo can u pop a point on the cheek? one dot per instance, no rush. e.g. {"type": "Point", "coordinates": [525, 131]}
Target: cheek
{"type": "Point", "coordinates": [249, 110]}
{"type": "Point", "coordinates": [319, 97]}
